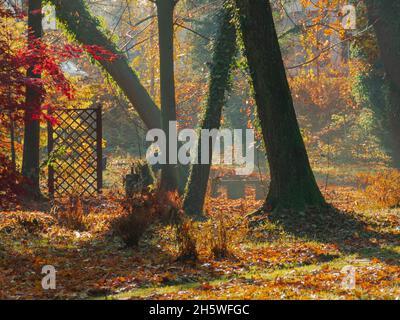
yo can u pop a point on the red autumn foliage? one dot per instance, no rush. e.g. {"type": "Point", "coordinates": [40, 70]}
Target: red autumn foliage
{"type": "Point", "coordinates": [43, 59]}
{"type": "Point", "coordinates": [11, 183]}
{"type": "Point", "coordinates": [18, 55]}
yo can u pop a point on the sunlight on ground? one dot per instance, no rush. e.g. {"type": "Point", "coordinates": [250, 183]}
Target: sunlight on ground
{"type": "Point", "coordinates": [266, 261]}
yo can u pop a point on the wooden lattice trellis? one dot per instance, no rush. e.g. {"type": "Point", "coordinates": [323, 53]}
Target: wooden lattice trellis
{"type": "Point", "coordinates": [75, 149]}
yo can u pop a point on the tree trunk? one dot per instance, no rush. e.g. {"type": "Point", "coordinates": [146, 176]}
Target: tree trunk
{"type": "Point", "coordinates": [393, 117]}
{"type": "Point", "coordinates": [165, 13]}
{"type": "Point", "coordinates": [223, 59]}
{"type": "Point", "coordinates": [153, 64]}
{"type": "Point", "coordinates": [30, 161]}
{"type": "Point", "coordinates": [384, 16]}
{"type": "Point", "coordinates": [293, 185]}
{"type": "Point", "coordinates": [85, 28]}
{"type": "Point", "coordinates": [12, 143]}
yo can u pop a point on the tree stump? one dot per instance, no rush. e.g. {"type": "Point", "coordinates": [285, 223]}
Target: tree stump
{"type": "Point", "coordinates": [140, 178]}
{"type": "Point", "coordinates": [236, 189]}
{"type": "Point", "coordinates": [214, 187]}
{"type": "Point", "coordinates": [260, 191]}
{"type": "Point", "coordinates": [132, 184]}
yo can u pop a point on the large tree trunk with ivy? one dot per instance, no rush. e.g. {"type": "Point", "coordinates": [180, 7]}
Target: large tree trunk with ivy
{"type": "Point", "coordinates": [293, 184]}
{"type": "Point", "coordinates": [384, 16]}
{"type": "Point", "coordinates": [165, 14]}
{"type": "Point", "coordinates": [30, 162]}
{"type": "Point", "coordinates": [223, 60]}
{"type": "Point", "coordinates": [85, 28]}
{"type": "Point", "coordinates": [370, 88]}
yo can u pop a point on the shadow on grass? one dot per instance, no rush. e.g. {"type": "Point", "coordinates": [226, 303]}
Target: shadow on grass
{"type": "Point", "coordinates": [344, 229]}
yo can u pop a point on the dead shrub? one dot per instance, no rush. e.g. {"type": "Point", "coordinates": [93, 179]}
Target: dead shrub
{"type": "Point", "coordinates": [186, 235]}
{"type": "Point", "coordinates": [219, 241]}
{"type": "Point", "coordinates": [216, 238]}
{"type": "Point", "coordinates": [169, 207]}
{"type": "Point", "coordinates": [382, 188]}
{"type": "Point", "coordinates": [130, 226]}
{"type": "Point", "coordinates": [72, 216]}
{"type": "Point", "coordinates": [31, 222]}
{"type": "Point", "coordinates": [143, 210]}
{"type": "Point", "coordinates": [135, 219]}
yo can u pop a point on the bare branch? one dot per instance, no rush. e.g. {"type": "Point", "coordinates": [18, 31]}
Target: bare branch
{"type": "Point", "coordinates": [331, 47]}
{"type": "Point", "coordinates": [191, 30]}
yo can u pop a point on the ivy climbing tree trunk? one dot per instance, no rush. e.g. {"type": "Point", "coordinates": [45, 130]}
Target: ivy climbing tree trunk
{"type": "Point", "coordinates": [293, 184]}
{"type": "Point", "coordinates": [165, 14]}
{"type": "Point", "coordinates": [223, 60]}
{"type": "Point", "coordinates": [384, 16]}
{"type": "Point", "coordinates": [85, 28]}
{"type": "Point", "coordinates": [30, 158]}
{"type": "Point", "coordinates": [370, 87]}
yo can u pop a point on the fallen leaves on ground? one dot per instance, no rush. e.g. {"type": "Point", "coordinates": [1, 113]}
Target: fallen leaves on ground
{"type": "Point", "coordinates": [268, 263]}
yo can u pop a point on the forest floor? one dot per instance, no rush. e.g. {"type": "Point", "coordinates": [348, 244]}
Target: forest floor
{"type": "Point", "coordinates": [305, 258]}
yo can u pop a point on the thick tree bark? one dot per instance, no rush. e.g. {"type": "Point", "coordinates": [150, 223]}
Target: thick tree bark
{"type": "Point", "coordinates": [384, 16]}
{"type": "Point", "coordinates": [30, 161]}
{"type": "Point", "coordinates": [223, 59]}
{"type": "Point", "coordinates": [165, 13]}
{"type": "Point", "coordinates": [293, 185]}
{"type": "Point", "coordinates": [12, 143]}
{"type": "Point", "coordinates": [85, 28]}
{"type": "Point", "coordinates": [152, 66]}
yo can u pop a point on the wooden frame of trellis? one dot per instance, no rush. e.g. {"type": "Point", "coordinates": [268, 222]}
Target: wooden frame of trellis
{"type": "Point", "coordinates": [79, 131]}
